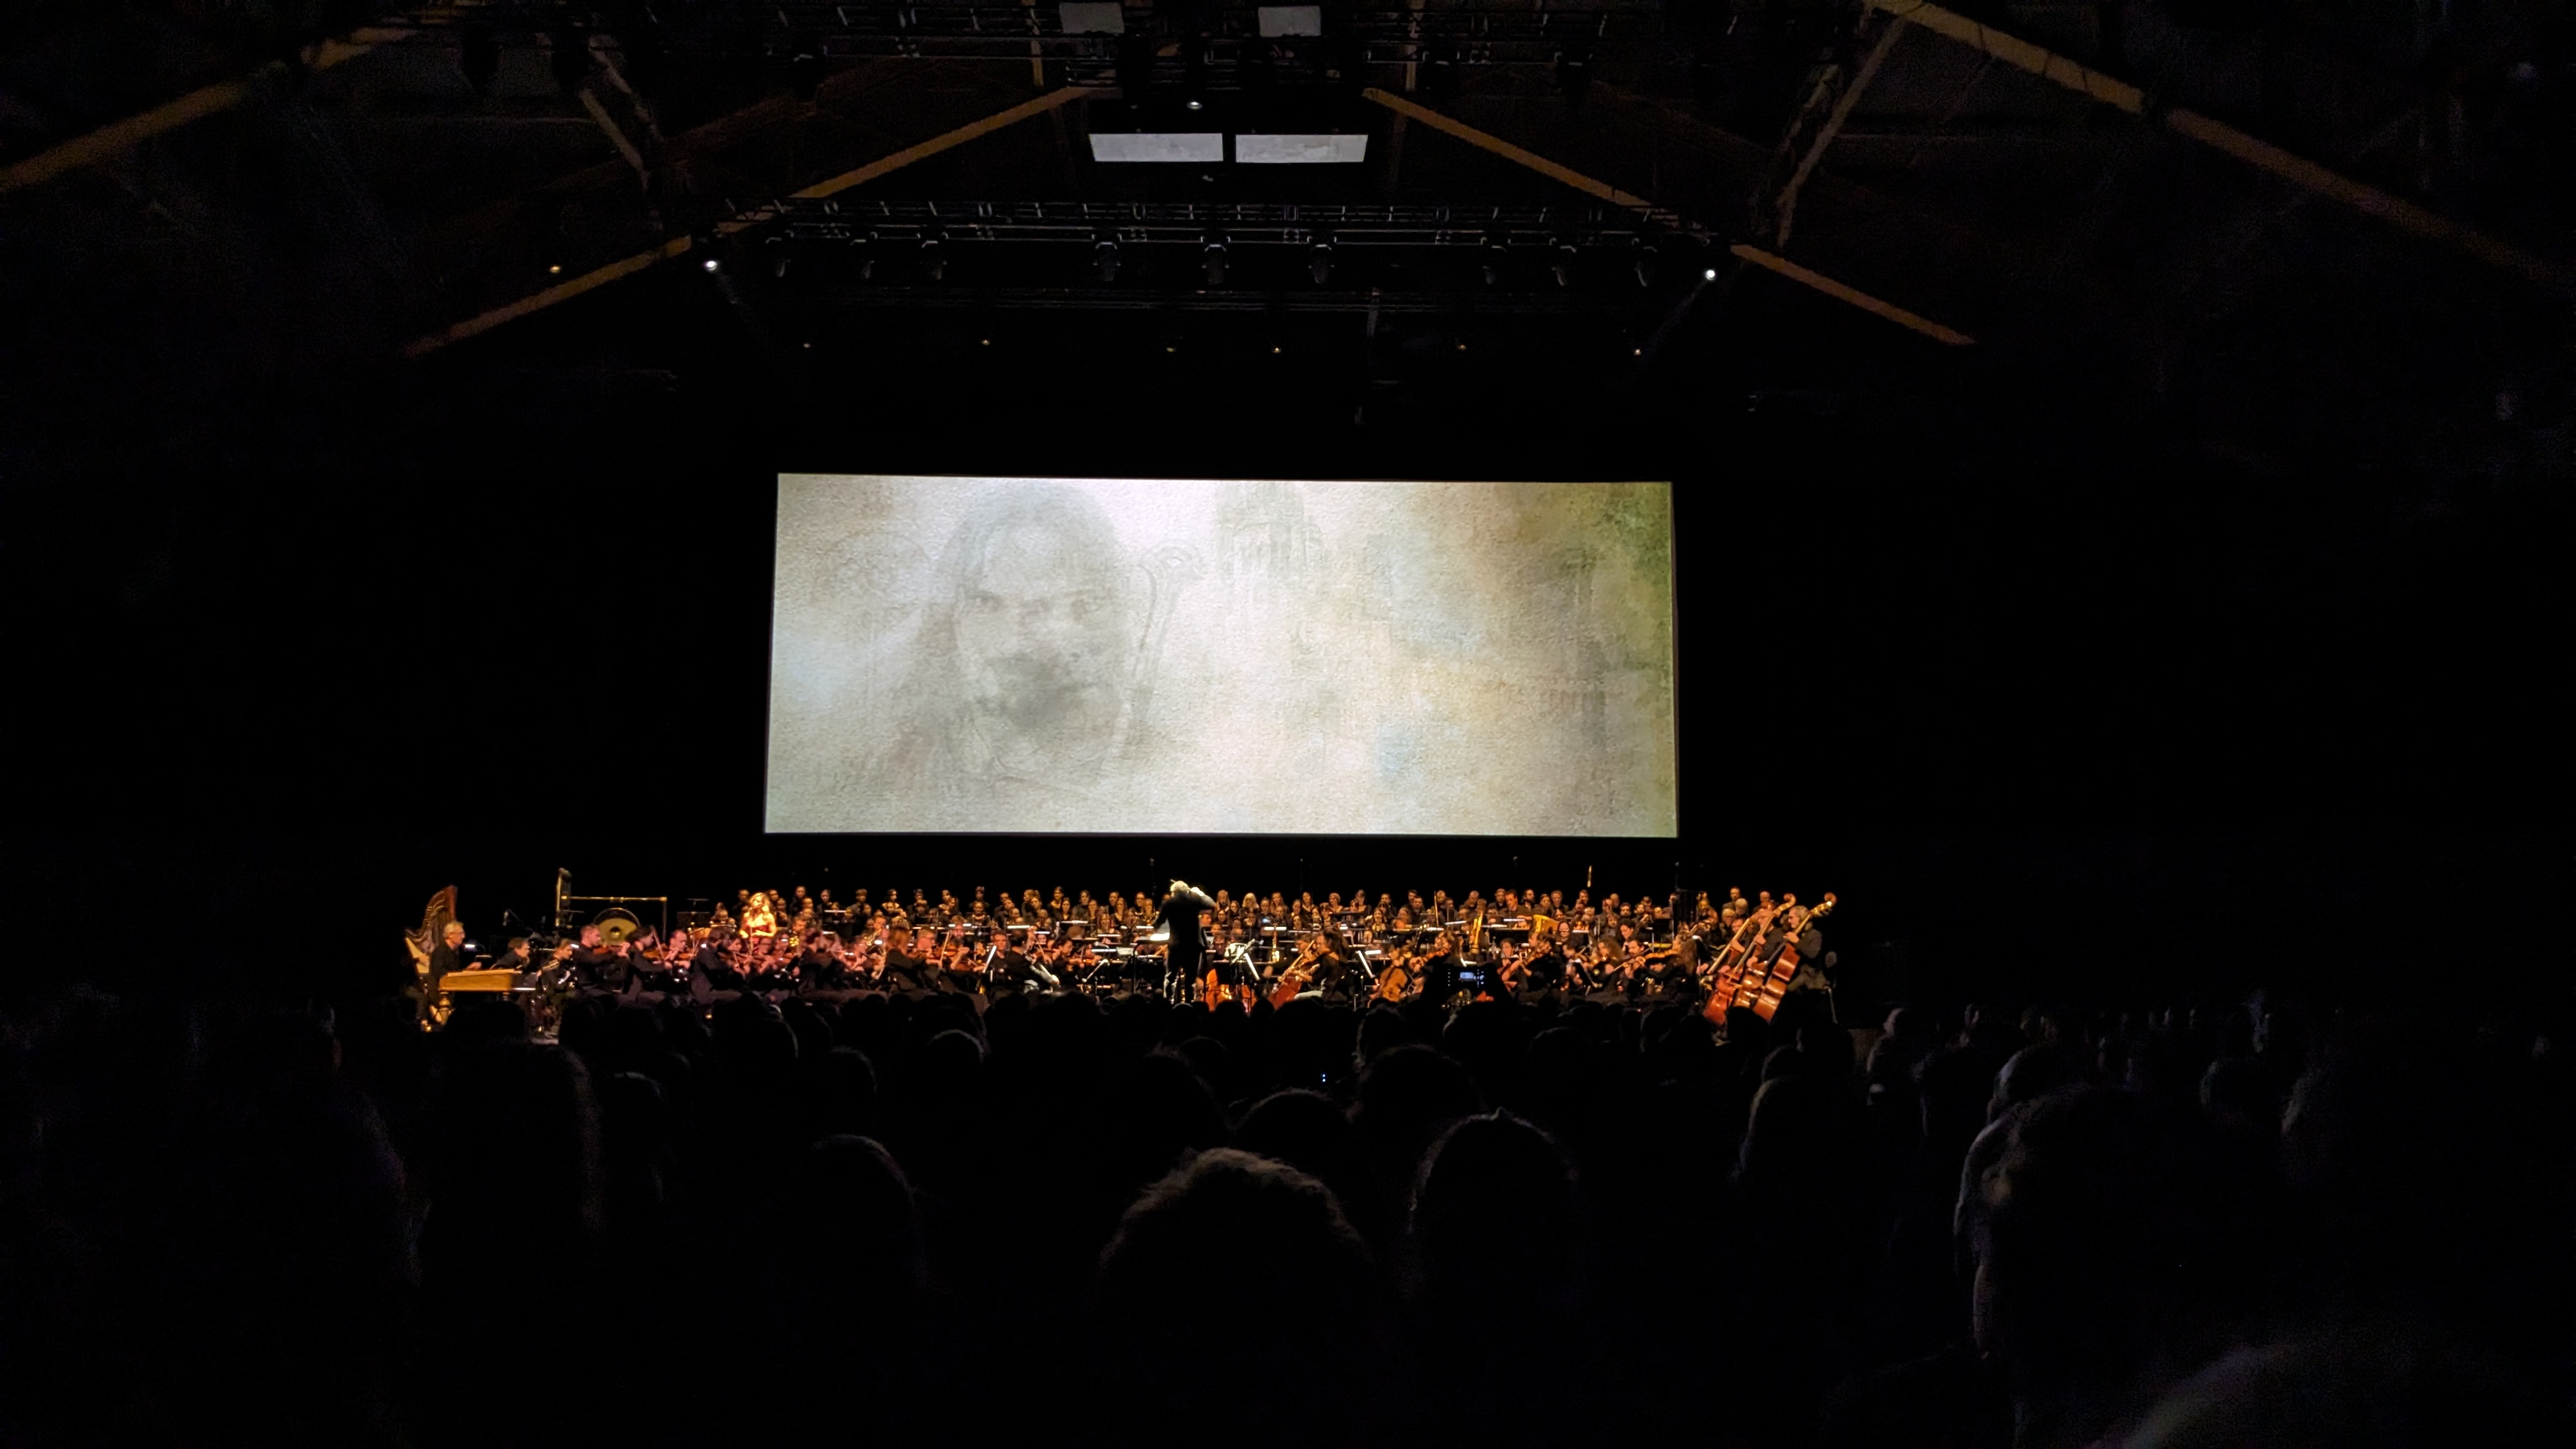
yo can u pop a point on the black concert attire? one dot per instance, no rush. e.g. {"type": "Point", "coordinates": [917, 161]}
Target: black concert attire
{"type": "Point", "coordinates": [713, 967]}
{"type": "Point", "coordinates": [600, 967]}
{"type": "Point", "coordinates": [904, 971]}
{"type": "Point", "coordinates": [1440, 976]}
{"type": "Point", "coordinates": [1810, 975]}
{"type": "Point", "coordinates": [818, 968]}
{"type": "Point", "coordinates": [1184, 918]}
{"type": "Point", "coordinates": [444, 958]}
{"type": "Point", "coordinates": [1544, 972]}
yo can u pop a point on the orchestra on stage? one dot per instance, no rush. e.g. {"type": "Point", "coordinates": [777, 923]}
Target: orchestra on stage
{"type": "Point", "coordinates": [1224, 950]}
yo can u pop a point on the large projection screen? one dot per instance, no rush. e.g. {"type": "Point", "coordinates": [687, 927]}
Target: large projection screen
{"type": "Point", "coordinates": [1126, 656]}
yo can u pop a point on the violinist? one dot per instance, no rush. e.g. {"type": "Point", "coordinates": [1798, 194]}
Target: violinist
{"type": "Point", "coordinates": [1440, 966]}
{"type": "Point", "coordinates": [909, 964]}
{"type": "Point", "coordinates": [598, 965]}
{"type": "Point", "coordinates": [820, 966]}
{"type": "Point", "coordinates": [1542, 966]}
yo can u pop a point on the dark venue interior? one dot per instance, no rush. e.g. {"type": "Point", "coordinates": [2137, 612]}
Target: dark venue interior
{"type": "Point", "coordinates": [2119, 458]}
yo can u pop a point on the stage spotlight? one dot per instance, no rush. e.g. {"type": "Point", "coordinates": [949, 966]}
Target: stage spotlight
{"type": "Point", "coordinates": [712, 265]}
{"type": "Point", "coordinates": [1212, 257]}
{"type": "Point", "coordinates": [570, 58]}
{"type": "Point", "coordinates": [478, 55]}
{"type": "Point", "coordinates": [1709, 276]}
{"type": "Point", "coordinates": [1104, 259]}
{"type": "Point", "coordinates": [1561, 266]}
{"type": "Point", "coordinates": [1319, 262]}
{"type": "Point", "coordinates": [1194, 76]}
{"type": "Point", "coordinates": [1644, 265]}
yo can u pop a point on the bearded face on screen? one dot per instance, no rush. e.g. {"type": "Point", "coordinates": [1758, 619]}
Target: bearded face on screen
{"type": "Point", "coordinates": [1044, 631]}
{"type": "Point", "coordinates": [1031, 671]}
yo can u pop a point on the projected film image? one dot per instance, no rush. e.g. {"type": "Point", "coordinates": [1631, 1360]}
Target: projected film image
{"type": "Point", "coordinates": [1132, 656]}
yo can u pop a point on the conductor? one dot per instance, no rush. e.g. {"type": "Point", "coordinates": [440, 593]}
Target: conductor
{"type": "Point", "coordinates": [1183, 915]}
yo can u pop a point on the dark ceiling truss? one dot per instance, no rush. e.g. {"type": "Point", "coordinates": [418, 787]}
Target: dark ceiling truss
{"type": "Point", "coordinates": [1462, 305]}
{"type": "Point", "coordinates": [1259, 223]}
{"type": "Point", "coordinates": [1215, 47]}
{"type": "Point", "coordinates": [763, 27]}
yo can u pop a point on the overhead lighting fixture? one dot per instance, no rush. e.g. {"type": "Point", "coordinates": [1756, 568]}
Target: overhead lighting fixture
{"type": "Point", "coordinates": [1291, 150]}
{"type": "Point", "coordinates": [1104, 259]}
{"type": "Point", "coordinates": [1320, 265]}
{"type": "Point", "coordinates": [1709, 276]}
{"type": "Point", "coordinates": [711, 264]}
{"type": "Point", "coordinates": [1212, 257]}
{"type": "Point", "coordinates": [1198, 147]}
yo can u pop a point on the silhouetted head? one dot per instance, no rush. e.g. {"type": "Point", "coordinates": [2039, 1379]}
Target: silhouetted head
{"type": "Point", "coordinates": [1495, 1219]}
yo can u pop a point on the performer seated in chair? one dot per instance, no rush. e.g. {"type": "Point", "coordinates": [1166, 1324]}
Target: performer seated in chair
{"type": "Point", "coordinates": [597, 965]}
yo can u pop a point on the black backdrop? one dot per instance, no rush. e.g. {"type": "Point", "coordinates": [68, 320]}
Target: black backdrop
{"type": "Point", "coordinates": [2052, 713]}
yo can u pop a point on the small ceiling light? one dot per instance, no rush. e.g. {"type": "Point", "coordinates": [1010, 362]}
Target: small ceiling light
{"type": "Point", "coordinates": [1274, 352]}
{"type": "Point", "coordinates": [1709, 276]}
{"type": "Point", "coordinates": [711, 264]}
{"type": "Point", "coordinates": [1194, 105]}
{"type": "Point", "coordinates": [983, 341]}
{"type": "Point", "coordinates": [555, 271]}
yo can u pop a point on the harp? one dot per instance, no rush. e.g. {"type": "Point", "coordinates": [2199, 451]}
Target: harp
{"type": "Point", "coordinates": [433, 924]}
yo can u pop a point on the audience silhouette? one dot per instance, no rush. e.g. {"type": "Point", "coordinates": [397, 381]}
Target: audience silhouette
{"type": "Point", "coordinates": [899, 1220]}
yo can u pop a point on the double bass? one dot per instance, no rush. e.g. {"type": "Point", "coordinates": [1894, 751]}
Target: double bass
{"type": "Point", "coordinates": [1784, 967]}
{"type": "Point", "coordinates": [1726, 973]}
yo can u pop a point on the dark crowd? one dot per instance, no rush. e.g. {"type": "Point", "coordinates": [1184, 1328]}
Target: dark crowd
{"type": "Point", "coordinates": [896, 1219]}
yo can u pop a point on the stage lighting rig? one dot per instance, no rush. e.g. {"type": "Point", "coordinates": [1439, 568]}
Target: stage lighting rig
{"type": "Point", "coordinates": [1212, 258]}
